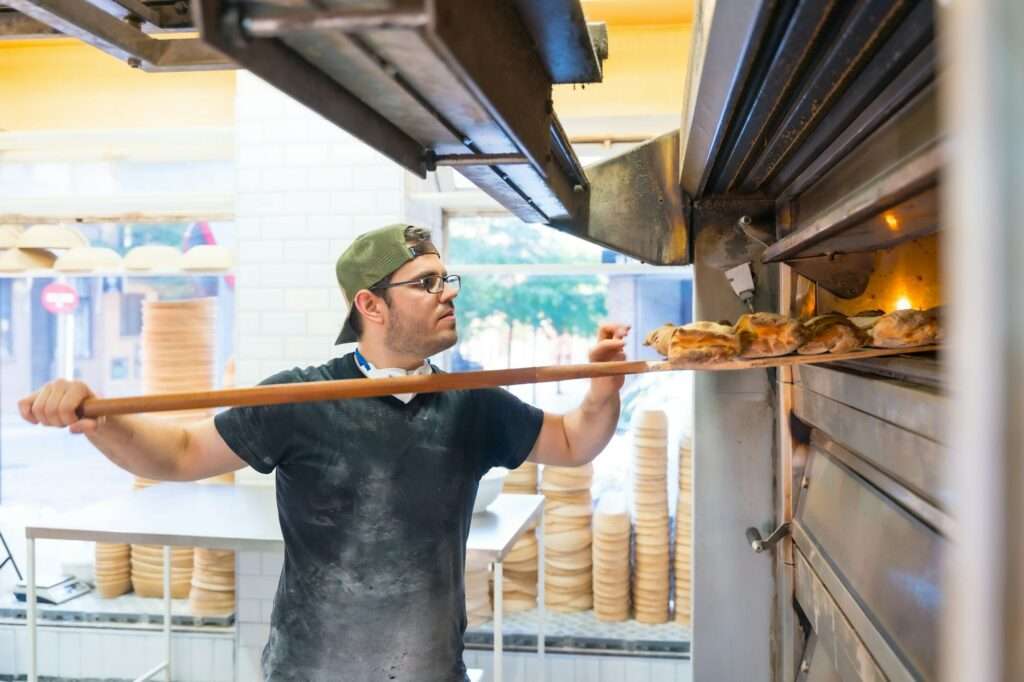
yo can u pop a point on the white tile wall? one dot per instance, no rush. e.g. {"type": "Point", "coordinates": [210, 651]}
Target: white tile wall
{"type": "Point", "coordinates": [525, 667]}
{"type": "Point", "coordinates": [71, 653]}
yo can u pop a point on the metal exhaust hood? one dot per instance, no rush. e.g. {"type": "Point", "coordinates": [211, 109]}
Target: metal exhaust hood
{"type": "Point", "coordinates": [431, 82]}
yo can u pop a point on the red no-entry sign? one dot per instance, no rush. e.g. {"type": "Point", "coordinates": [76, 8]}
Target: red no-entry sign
{"type": "Point", "coordinates": [59, 298]}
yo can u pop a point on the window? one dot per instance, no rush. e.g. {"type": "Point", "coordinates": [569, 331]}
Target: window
{"type": "Point", "coordinates": [534, 296]}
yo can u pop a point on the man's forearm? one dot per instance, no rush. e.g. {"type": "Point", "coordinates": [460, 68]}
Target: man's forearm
{"type": "Point", "coordinates": [590, 426]}
{"type": "Point", "coordinates": [145, 446]}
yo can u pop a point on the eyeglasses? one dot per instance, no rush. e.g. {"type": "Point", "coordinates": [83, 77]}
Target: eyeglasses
{"type": "Point", "coordinates": [432, 284]}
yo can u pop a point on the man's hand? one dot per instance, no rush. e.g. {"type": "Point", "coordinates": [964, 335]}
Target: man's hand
{"type": "Point", "coordinates": [56, 404]}
{"type": "Point", "coordinates": [611, 344]}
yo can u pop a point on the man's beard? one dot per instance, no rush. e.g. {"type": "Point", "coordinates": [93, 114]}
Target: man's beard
{"type": "Point", "coordinates": [405, 339]}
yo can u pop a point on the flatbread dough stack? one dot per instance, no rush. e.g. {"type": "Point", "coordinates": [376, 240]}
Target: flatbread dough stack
{"type": "Point", "coordinates": [831, 333]}
{"type": "Point", "coordinates": [519, 574]}
{"type": "Point", "coordinates": [650, 513]}
{"type": "Point", "coordinates": [906, 328]}
{"type": "Point", "coordinates": [684, 533]}
{"type": "Point", "coordinates": [521, 480]}
{"type": "Point", "coordinates": [113, 569]}
{"type": "Point", "coordinates": [478, 595]}
{"type": "Point", "coordinates": [767, 335]}
{"type": "Point", "coordinates": [213, 583]}
{"type": "Point", "coordinates": [568, 562]}
{"type": "Point", "coordinates": [611, 558]}
{"type": "Point", "coordinates": [695, 342]}
{"type": "Point", "coordinates": [148, 570]}
{"type": "Point", "coordinates": [178, 352]}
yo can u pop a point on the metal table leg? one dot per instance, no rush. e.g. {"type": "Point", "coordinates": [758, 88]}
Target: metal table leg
{"type": "Point", "coordinates": [167, 611]}
{"type": "Point", "coordinates": [499, 598]}
{"type": "Point", "coordinates": [31, 610]}
{"type": "Point", "coordinates": [540, 593]}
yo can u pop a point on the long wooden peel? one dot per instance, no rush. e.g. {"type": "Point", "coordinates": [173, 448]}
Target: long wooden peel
{"type": "Point", "coordinates": [275, 394]}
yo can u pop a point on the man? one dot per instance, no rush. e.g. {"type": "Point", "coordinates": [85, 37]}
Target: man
{"type": "Point", "coordinates": [374, 495]}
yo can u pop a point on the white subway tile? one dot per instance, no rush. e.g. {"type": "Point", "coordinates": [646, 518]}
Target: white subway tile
{"type": "Point", "coordinates": [285, 178]}
{"type": "Point", "coordinates": [305, 298]}
{"type": "Point", "coordinates": [247, 323]}
{"type": "Point", "coordinates": [308, 251]}
{"type": "Point", "coordinates": [224, 660]}
{"type": "Point", "coordinates": [308, 350]}
{"type": "Point", "coordinates": [260, 156]}
{"type": "Point", "coordinates": [331, 177]}
{"type": "Point", "coordinates": [329, 226]}
{"type": "Point", "coordinates": [257, 299]}
{"type": "Point", "coordinates": [253, 634]}
{"type": "Point", "coordinates": [266, 609]}
{"type": "Point", "coordinates": [372, 221]}
{"type": "Point", "coordinates": [283, 227]}
{"type": "Point", "coordinates": [284, 275]}
{"type": "Point", "coordinates": [378, 176]}
{"type": "Point", "coordinates": [264, 347]}
{"type": "Point", "coordinates": [310, 202]}
{"type": "Point", "coordinates": [305, 154]}
{"type": "Point", "coordinates": [388, 201]}
{"type": "Point", "coordinates": [353, 202]}
{"type": "Point", "coordinates": [70, 654]}
{"type": "Point", "coordinates": [248, 274]}
{"type": "Point", "coordinates": [249, 610]}
{"type": "Point", "coordinates": [272, 562]}
{"type": "Point", "coordinates": [248, 663]}
{"type": "Point", "coordinates": [323, 323]}
{"type": "Point", "coordinates": [256, 587]}
{"type": "Point", "coordinates": [49, 652]}
{"type": "Point", "coordinates": [283, 323]}
{"type": "Point", "coordinates": [247, 179]}
{"type": "Point", "coordinates": [263, 251]}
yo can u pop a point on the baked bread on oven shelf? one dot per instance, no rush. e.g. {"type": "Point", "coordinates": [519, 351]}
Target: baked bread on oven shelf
{"type": "Point", "coordinates": [695, 342]}
{"type": "Point", "coordinates": [768, 335]}
{"type": "Point", "coordinates": [906, 328]}
{"type": "Point", "coordinates": [831, 333]}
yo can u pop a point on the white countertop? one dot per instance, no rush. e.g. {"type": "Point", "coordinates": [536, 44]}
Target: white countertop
{"type": "Point", "coordinates": [244, 518]}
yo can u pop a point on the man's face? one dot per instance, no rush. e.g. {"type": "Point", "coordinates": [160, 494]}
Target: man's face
{"type": "Point", "coordinates": [420, 323]}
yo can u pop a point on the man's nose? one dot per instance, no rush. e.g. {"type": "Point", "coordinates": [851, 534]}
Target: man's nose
{"type": "Point", "coordinates": [449, 294]}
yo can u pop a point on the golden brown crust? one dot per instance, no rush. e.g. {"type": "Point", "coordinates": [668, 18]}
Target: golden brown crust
{"type": "Point", "coordinates": [660, 338]}
{"type": "Point", "coordinates": [766, 335]}
{"type": "Point", "coordinates": [831, 333]}
{"type": "Point", "coordinates": [906, 328]}
{"type": "Point", "coordinates": [695, 342]}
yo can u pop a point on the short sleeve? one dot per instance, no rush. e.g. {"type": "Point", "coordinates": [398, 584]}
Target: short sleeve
{"type": "Point", "coordinates": [506, 428]}
{"type": "Point", "coordinates": [260, 434]}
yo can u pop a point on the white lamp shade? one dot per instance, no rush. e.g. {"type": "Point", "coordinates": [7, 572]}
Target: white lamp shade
{"type": "Point", "coordinates": [46, 236]}
{"type": "Point", "coordinates": [88, 259]}
{"type": "Point", "coordinates": [9, 235]}
{"type": "Point", "coordinates": [153, 257]}
{"type": "Point", "coordinates": [207, 257]}
{"type": "Point", "coordinates": [20, 260]}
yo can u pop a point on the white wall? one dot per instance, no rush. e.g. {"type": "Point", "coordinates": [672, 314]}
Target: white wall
{"type": "Point", "coordinates": [305, 189]}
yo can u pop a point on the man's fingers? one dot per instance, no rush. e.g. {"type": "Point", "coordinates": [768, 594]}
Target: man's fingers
{"type": "Point", "coordinates": [68, 406]}
{"type": "Point", "coordinates": [39, 405]}
{"type": "Point", "coordinates": [25, 408]}
{"type": "Point", "coordinates": [84, 426]}
{"type": "Point", "coordinates": [612, 330]}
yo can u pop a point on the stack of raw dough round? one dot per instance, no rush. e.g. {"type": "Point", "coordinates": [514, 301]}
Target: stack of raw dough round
{"type": "Point", "coordinates": [522, 480]}
{"type": "Point", "coordinates": [519, 580]}
{"type": "Point", "coordinates": [148, 571]}
{"type": "Point", "coordinates": [113, 569]}
{"type": "Point", "coordinates": [519, 574]}
{"type": "Point", "coordinates": [568, 561]}
{"type": "Point", "coordinates": [650, 503]}
{"type": "Point", "coordinates": [213, 583]}
{"type": "Point", "coordinates": [684, 532]}
{"type": "Point", "coordinates": [478, 595]}
{"type": "Point", "coordinates": [178, 354]}
{"type": "Point", "coordinates": [611, 558]}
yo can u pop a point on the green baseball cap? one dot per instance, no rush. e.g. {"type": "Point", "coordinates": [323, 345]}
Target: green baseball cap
{"type": "Point", "coordinates": [369, 259]}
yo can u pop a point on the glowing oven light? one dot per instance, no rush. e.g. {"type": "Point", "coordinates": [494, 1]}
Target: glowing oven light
{"type": "Point", "coordinates": [892, 221]}
{"type": "Point", "coordinates": [903, 303]}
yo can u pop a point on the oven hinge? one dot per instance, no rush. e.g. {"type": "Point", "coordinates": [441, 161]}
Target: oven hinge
{"type": "Point", "coordinates": [759, 544]}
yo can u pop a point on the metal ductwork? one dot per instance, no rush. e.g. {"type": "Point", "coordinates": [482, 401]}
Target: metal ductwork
{"type": "Point", "coordinates": [121, 28]}
{"type": "Point", "coordinates": [466, 84]}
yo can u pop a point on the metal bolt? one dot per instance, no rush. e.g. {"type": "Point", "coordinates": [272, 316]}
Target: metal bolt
{"type": "Point", "coordinates": [577, 188]}
{"type": "Point", "coordinates": [181, 8]}
{"type": "Point", "coordinates": [804, 482]}
{"type": "Point", "coordinates": [134, 62]}
{"type": "Point", "coordinates": [805, 667]}
{"type": "Point", "coordinates": [745, 221]}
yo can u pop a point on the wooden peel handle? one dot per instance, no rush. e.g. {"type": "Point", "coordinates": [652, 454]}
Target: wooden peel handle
{"type": "Point", "coordinates": [273, 394]}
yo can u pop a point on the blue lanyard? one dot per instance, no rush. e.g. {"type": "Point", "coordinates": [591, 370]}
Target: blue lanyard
{"type": "Point", "coordinates": [363, 362]}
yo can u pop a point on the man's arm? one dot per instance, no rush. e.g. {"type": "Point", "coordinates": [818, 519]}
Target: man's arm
{"type": "Point", "coordinates": [576, 438]}
{"type": "Point", "coordinates": [145, 446]}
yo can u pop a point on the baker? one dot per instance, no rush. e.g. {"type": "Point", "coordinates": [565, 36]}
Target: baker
{"type": "Point", "coordinates": [374, 495]}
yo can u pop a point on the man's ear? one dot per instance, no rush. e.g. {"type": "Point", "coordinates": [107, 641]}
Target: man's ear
{"type": "Point", "coordinates": [370, 306]}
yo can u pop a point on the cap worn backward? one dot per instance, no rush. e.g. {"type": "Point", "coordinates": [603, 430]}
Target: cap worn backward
{"type": "Point", "coordinates": [370, 258]}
